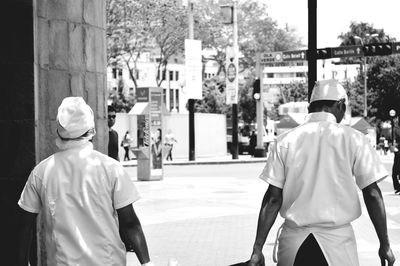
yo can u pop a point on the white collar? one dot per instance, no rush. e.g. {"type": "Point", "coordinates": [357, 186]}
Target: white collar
{"type": "Point", "coordinates": [320, 116]}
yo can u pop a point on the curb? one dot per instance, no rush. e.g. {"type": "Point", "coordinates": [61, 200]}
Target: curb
{"type": "Point", "coordinates": [241, 161]}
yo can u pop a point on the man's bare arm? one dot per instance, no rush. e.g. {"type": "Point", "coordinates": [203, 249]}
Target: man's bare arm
{"type": "Point", "coordinates": [270, 207]}
{"type": "Point", "coordinates": [376, 211]}
{"type": "Point", "coordinates": [132, 234]}
{"type": "Point", "coordinates": [25, 237]}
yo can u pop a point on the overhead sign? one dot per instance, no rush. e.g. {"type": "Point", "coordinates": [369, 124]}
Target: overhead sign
{"type": "Point", "coordinates": [232, 72]}
{"type": "Point", "coordinates": [272, 57]}
{"type": "Point", "coordinates": [193, 69]}
{"type": "Point", "coordinates": [348, 51]}
{"type": "Point", "coordinates": [294, 55]}
{"type": "Point", "coordinates": [396, 48]}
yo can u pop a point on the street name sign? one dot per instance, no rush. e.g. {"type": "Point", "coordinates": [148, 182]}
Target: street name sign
{"type": "Point", "coordinates": [348, 51]}
{"type": "Point", "coordinates": [272, 57]}
{"type": "Point", "coordinates": [294, 55]}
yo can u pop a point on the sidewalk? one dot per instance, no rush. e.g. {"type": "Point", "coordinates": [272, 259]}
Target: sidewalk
{"type": "Point", "coordinates": [200, 217]}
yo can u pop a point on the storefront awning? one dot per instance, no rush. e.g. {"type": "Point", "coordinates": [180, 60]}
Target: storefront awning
{"type": "Point", "coordinates": [139, 109]}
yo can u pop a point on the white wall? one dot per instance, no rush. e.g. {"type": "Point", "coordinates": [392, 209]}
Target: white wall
{"type": "Point", "coordinates": [210, 133]}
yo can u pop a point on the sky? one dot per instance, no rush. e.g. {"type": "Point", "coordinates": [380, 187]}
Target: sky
{"type": "Point", "coordinates": [334, 17]}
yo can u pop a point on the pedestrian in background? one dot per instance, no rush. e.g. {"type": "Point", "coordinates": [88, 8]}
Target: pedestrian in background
{"type": "Point", "coordinates": [169, 140]}
{"type": "Point", "coordinates": [85, 198]}
{"type": "Point", "coordinates": [396, 161]}
{"type": "Point", "coordinates": [253, 142]}
{"type": "Point", "coordinates": [126, 144]}
{"type": "Point", "coordinates": [112, 134]}
{"type": "Point", "coordinates": [310, 171]}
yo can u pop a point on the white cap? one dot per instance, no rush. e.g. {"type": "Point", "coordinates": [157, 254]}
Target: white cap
{"type": "Point", "coordinates": [74, 118]}
{"type": "Point", "coordinates": [329, 89]}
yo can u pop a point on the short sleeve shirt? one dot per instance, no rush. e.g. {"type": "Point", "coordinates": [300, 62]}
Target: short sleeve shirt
{"type": "Point", "coordinates": [78, 191]}
{"type": "Point", "coordinates": [318, 166]}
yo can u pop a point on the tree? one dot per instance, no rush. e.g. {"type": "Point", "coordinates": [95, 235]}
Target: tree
{"type": "Point", "coordinates": [135, 26]}
{"type": "Point", "coordinates": [383, 86]}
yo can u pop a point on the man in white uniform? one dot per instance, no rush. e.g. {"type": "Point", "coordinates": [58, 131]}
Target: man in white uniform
{"type": "Point", "coordinates": [313, 171]}
{"type": "Point", "coordinates": [85, 198]}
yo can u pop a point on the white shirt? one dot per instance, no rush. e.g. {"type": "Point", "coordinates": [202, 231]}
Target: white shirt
{"type": "Point", "coordinates": [315, 165]}
{"type": "Point", "coordinates": [78, 191]}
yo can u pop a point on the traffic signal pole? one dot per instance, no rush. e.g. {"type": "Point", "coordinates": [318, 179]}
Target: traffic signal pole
{"type": "Point", "coordinates": [235, 142]}
{"type": "Point", "coordinates": [192, 152]}
{"type": "Point", "coordinates": [312, 45]}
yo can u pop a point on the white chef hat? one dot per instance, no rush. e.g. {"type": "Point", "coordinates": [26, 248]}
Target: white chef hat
{"type": "Point", "coordinates": [74, 118]}
{"type": "Point", "coordinates": [329, 89]}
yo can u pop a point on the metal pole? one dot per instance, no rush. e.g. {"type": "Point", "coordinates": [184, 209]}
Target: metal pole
{"type": "Point", "coordinates": [235, 143]}
{"type": "Point", "coordinates": [312, 45]}
{"type": "Point", "coordinates": [191, 101]}
{"type": "Point", "coordinates": [260, 151]}
{"type": "Point", "coordinates": [365, 88]}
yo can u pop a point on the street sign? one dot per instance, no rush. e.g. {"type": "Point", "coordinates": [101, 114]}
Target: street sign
{"type": "Point", "coordinates": [396, 48]}
{"type": "Point", "coordinates": [272, 57]}
{"type": "Point", "coordinates": [294, 55]}
{"type": "Point", "coordinates": [348, 51]}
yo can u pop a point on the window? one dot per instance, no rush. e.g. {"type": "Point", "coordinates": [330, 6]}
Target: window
{"type": "Point", "coordinates": [176, 75]}
{"type": "Point", "coordinates": [171, 99]}
{"type": "Point", "coordinates": [299, 74]}
{"type": "Point", "coordinates": [270, 75]}
{"type": "Point", "coordinates": [176, 60]}
{"type": "Point", "coordinates": [120, 72]}
{"type": "Point", "coordinates": [171, 75]}
{"type": "Point", "coordinates": [177, 100]}
{"type": "Point", "coordinates": [165, 96]}
{"type": "Point", "coordinates": [163, 74]}
{"type": "Point", "coordinates": [158, 60]}
{"type": "Point", "coordinates": [114, 73]}
{"type": "Point", "coordinates": [137, 73]}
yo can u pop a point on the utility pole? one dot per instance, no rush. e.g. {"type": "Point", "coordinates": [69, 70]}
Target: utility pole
{"type": "Point", "coordinates": [191, 101]}
{"type": "Point", "coordinates": [259, 150]}
{"type": "Point", "coordinates": [312, 45]}
{"type": "Point", "coordinates": [365, 87]}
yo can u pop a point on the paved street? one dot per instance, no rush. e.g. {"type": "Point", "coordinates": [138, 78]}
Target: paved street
{"type": "Point", "coordinates": [207, 215]}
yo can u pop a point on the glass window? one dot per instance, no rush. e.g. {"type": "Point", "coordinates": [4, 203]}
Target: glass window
{"type": "Point", "coordinates": [177, 100]}
{"type": "Point", "coordinates": [114, 73]}
{"type": "Point", "coordinates": [270, 75]}
{"type": "Point", "coordinates": [176, 75]}
{"type": "Point", "coordinates": [171, 75]}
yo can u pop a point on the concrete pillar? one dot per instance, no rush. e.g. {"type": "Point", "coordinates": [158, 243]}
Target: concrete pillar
{"type": "Point", "coordinates": [50, 49]}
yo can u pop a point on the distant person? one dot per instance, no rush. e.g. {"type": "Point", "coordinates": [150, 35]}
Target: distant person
{"type": "Point", "coordinates": [156, 150]}
{"type": "Point", "coordinates": [126, 144]}
{"type": "Point", "coordinates": [385, 146]}
{"type": "Point", "coordinates": [253, 142]}
{"type": "Point", "coordinates": [312, 171]}
{"type": "Point", "coordinates": [169, 142]}
{"type": "Point", "coordinates": [85, 198]}
{"type": "Point", "coordinates": [396, 161]}
{"type": "Point", "coordinates": [112, 134]}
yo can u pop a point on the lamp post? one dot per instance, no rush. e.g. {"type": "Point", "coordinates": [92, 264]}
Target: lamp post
{"type": "Point", "coordinates": [229, 15]}
{"type": "Point", "coordinates": [392, 114]}
{"type": "Point", "coordinates": [368, 37]}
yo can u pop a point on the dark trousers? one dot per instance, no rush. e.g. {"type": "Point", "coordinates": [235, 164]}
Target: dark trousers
{"type": "Point", "coordinates": [310, 254]}
{"type": "Point", "coordinates": [396, 171]}
{"type": "Point", "coordinates": [126, 156]}
{"type": "Point", "coordinates": [169, 156]}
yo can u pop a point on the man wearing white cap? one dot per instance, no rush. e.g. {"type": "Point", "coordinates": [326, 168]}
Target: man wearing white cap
{"type": "Point", "coordinates": [85, 198]}
{"type": "Point", "coordinates": [313, 172]}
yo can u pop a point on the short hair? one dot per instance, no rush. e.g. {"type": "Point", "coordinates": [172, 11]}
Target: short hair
{"type": "Point", "coordinates": [318, 105]}
{"type": "Point", "coordinates": [111, 108]}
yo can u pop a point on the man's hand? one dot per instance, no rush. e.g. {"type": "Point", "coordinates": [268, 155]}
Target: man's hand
{"type": "Point", "coordinates": [257, 258]}
{"type": "Point", "coordinates": [386, 254]}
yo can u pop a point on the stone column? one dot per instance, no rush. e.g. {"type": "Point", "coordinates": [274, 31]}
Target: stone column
{"type": "Point", "coordinates": [50, 49]}
{"type": "Point", "coordinates": [70, 60]}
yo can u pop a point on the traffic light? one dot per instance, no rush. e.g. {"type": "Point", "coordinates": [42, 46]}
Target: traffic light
{"type": "Point", "coordinates": [324, 53]}
{"type": "Point", "coordinates": [256, 89]}
{"type": "Point", "coordinates": [377, 49]}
